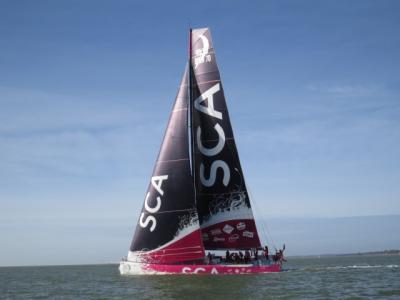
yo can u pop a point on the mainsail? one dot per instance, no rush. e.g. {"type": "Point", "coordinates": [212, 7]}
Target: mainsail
{"type": "Point", "coordinates": [168, 228]}
{"type": "Point", "coordinates": [223, 204]}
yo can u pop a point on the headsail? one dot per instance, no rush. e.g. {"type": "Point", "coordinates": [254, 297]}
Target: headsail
{"type": "Point", "coordinates": [223, 203]}
{"type": "Point", "coordinates": [168, 228]}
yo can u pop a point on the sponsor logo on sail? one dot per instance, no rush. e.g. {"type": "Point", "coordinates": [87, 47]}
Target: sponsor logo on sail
{"type": "Point", "coordinates": [233, 238]}
{"type": "Point", "coordinates": [241, 226]}
{"type": "Point", "coordinates": [218, 239]}
{"type": "Point", "coordinates": [201, 54]}
{"type": "Point", "coordinates": [216, 231]}
{"type": "Point", "coordinates": [248, 234]}
{"type": "Point", "coordinates": [156, 182]}
{"type": "Point", "coordinates": [228, 229]}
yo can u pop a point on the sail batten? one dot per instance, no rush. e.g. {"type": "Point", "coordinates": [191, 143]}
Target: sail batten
{"type": "Point", "coordinates": [171, 160]}
{"type": "Point", "coordinates": [173, 211]}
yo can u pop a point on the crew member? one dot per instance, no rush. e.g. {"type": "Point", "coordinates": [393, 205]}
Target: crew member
{"type": "Point", "coordinates": [227, 256]}
{"type": "Point", "coordinates": [266, 252]}
{"type": "Point", "coordinates": [247, 256]}
{"type": "Point", "coordinates": [209, 256]}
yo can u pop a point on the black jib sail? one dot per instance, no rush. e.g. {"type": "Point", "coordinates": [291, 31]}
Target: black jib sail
{"type": "Point", "coordinates": [168, 228]}
{"type": "Point", "coordinates": [223, 204]}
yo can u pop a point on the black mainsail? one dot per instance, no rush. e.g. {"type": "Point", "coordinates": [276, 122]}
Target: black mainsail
{"type": "Point", "coordinates": [223, 204]}
{"type": "Point", "coordinates": [168, 228]}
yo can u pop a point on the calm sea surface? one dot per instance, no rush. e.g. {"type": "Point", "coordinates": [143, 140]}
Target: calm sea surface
{"type": "Point", "coordinates": [352, 277]}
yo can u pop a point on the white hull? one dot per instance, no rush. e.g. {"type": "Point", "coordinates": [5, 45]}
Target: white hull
{"type": "Point", "coordinates": [134, 268]}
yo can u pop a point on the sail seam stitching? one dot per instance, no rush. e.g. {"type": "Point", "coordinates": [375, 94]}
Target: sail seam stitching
{"type": "Point", "coordinates": [159, 161]}
{"type": "Point", "coordinates": [171, 211]}
{"type": "Point", "coordinates": [213, 140]}
{"type": "Point", "coordinates": [209, 194]}
{"type": "Point", "coordinates": [179, 109]}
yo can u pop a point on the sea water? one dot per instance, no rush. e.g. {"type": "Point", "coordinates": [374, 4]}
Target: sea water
{"type": "Point", "coordinates": [335, 277]}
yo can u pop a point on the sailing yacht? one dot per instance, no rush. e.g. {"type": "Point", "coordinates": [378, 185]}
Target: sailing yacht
{"type": "Point", "coordinates": [197, 199]}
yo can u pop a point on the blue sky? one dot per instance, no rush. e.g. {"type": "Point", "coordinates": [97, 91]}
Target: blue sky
{"type": "Point", "coordinates": [86, 88]}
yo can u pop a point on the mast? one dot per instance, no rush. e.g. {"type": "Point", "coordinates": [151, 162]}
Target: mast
{"type": "Point", "coordinates": [190, 118]}
{"type": "Point", "coordinates": [189, 91]}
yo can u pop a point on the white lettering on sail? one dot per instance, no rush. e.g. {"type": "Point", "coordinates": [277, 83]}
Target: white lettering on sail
{"type": "Point", "coordinates": [209, 96]}
{"type": "Point", "coordinates": [220, 145]}
{"type": "Point", "coordinates": [152, 210]}
{"type": "Point", "coordinates": [213, 173]}
{"type": "Point", "coordinates": [147, 221]}
{"type": "Point", "coordinates": [156, 182]}
{"type": "Point", "coordinates": [157, 186]}
{"type": "Point", "coordinates": [209, 110]}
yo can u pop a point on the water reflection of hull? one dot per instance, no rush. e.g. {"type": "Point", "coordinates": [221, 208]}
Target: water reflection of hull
{"type": "Point", "coordinates": [133, 268]}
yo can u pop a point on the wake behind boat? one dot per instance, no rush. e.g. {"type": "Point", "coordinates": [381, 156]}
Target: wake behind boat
{"type": "Point", "coordinates": [197, 198]}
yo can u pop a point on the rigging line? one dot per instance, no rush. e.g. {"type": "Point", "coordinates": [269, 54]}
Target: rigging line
{"type": "Point", "coordinates": [264, 227]}
{"type": "Point", "coordinates": [213, 140]}
{"type": "Point", "coordinates": [180, 248]}
{"type": "Point", "coordinates": [171, 211]}
{"type": "Point", "coordinates": [207, 81]}
{"type": "Point", "coordinates": [266, 233]}
{"type": "Point", "coordinates": [252, 200]}
{"type": "Point", "coordinates": [176, 254]}
{"type": "Point", "coordinates": [214, 194]}
{"type": "Point", "coordinates": [171, 160]}
{"type": "Point", "coordinates": [179, 109]}
{"type": "Point", "coordinates": [205, 73]}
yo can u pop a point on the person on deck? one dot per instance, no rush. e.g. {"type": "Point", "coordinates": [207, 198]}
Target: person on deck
{"type": "Point", "coordinates": [281, 258]}
{"type": "Point", "coordinates": [275, 257]}
{"type": "Point", "coordinates": [247, 256]}
{"type": "Point", "coordinates": [266, 252]}
{"type": "Point", "coordinates": [209, 256]}
{"type": "Point", "coordinates": [278, 257]}
{"type": "Point", "coordinates": [227, 256]}
{"type": "Point", "coordinates": [241, 256]}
